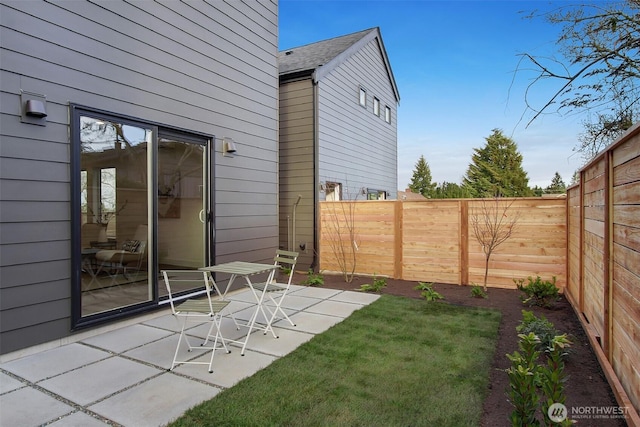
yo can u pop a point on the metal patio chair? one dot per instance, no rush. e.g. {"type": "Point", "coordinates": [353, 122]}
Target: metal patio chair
{"type": "Point", "coordinates": [195, 311]}
{"type": "Point", "coordinates": [277, 290]}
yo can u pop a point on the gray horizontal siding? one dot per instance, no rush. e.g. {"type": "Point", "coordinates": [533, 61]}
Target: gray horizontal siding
{"type": "Point", "coordinates": [297, 169]}
{"type": "Point", "coordinates": [358, 148]}
{"type": "Point", "coordinates": [37, 293]}
{"type": "Point", "coordinates": [206, 67]}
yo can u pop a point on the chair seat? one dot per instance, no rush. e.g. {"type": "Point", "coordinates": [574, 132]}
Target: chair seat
{"type": "Point", "coordinates": [117, 255]}
{"type": "Point", "coordinates": [271, 287]}
{"type": "Point", "coordinates": [200, 306]}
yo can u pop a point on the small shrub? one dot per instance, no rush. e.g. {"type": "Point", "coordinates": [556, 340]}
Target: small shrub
{"type": "Point", "coordinates": [539, 326]}
{"type": "Point", "coordinates": [529, 379]}
{"type": "Point", "coordinates": [428, 292]}
{"type": "Point", "coordinates": [552, 378]}
{"type": "Point", "coordinates": [543, 293]}
{"type": "Point", "coordinates": [478, 292]}
{"type": "Point", "coordinates": [524, 375]}
{"type": "Point", "coordinates": [313, 279]}
{"type": "Point", "coordinates": [285, 270]}
{"type": "Point", "coordinates": [378, 284]}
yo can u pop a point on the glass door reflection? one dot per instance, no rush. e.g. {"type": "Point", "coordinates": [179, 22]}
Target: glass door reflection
{"type": "Point", "coordinates": [114, 212]}
{"type": "Point", "coordinates": [181, 207]}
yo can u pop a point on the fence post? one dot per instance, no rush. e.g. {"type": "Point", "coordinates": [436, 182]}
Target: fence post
{"type": "Point", "coordinates": [608, 251]}
{"type": "Point", "coordinates": [463, 258]}
{"type": "Point", "coordinates": [397, 240]}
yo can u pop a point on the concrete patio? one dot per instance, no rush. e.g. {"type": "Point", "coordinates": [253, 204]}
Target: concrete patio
{"type": "Point", "coordinates": [120, 376]}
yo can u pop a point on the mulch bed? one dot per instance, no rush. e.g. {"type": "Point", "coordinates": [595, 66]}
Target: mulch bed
{"type": "Point", "coordinates": [586, 385]}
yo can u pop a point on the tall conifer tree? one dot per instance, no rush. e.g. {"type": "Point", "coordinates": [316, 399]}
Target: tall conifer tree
{"type": "Point", "coordinates": [557, 185]}
{"type": "Point", "coordinates": [421, 179]}
{"type": "Point", "coordinates": [496, 169]}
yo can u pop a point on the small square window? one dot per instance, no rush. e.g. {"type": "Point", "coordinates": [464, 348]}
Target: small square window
{"type": "Point", "coordinates": [376, 107]}
{"type": "Point", "coordinates": [387, 114]}
{"type": "Point", "coordinates": [363, 97]}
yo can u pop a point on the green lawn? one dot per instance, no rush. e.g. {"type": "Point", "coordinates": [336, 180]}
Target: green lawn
{"type": "Point", "coordinates": [396, 362]}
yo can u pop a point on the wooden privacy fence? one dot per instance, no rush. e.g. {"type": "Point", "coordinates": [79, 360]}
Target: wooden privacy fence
{"type": "Point", "coordinates": [603, 268]}
{"type": "Point", "coordinates": [433, 241]}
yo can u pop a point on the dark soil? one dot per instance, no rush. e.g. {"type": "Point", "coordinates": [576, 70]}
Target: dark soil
{"type": "Point", "coordinates": [586, 385]}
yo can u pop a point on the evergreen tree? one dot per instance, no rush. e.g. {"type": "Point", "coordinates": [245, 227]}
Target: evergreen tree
{"type": "Point", "coordinates": [421, 179]}
{"type": "Point", "coordinates": [450, 190]}
{"type": "Point", "coordinates": [496, 169]}
{"type": "Point", "coordinates": [575, 179]}
{"type": "Point", "coordinates": [557, 185]}
{"type": "Point", "coordinates": [538, 191]}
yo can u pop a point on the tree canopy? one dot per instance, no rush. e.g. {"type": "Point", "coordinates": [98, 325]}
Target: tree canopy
{"type": "Point", "coordinates": [421, 181]}
{"type": "Point", "coordinates": [599, 72]}
{"type": "Point", "coordinates": [557, 185]}
{"type": "Point", "coordinates": [496, 169]}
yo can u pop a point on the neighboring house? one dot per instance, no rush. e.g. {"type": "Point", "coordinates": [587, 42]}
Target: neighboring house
{"type": "Point", "coordinates": [338, 131]}
{"type": "Point", "coordinates": [114, 121]}
{"type": "Point", "coordinates": [410, 195]}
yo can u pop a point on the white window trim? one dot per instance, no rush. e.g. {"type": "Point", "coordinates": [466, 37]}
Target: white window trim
{"type": "Point", "coordinates": [362, 101]}
{"type": "Point", "coordinates": [376, 106]}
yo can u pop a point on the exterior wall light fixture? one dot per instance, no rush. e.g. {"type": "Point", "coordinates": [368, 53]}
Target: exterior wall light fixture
{"type": "Point", "coordinates": [33, 108]}
{"type": "Point", "coordinates": [228, 147]}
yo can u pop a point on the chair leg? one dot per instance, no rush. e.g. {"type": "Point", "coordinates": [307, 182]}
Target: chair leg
{"type": "Point", "coordinates": [278, 308]}
{"type": "Point", "coordinates": [175, 355]}
{"type": "Point", "coordinates": [218, 325]}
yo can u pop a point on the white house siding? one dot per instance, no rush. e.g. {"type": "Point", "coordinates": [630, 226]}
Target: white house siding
{"type": "Point", "coordinates": [297, 169]}
{"type": "Point", "coordinates": [206, 67]}
{"type": "Point", "coordinates": [356, 147]}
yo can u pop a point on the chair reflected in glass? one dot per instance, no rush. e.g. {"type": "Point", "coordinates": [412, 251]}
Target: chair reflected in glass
{"type": "Point", "coordinates": [195, 311]}
{"type": "Point", "coordinates": [128, 261]}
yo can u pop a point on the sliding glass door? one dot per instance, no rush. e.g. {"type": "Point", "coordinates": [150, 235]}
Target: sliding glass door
{"type": "Point", "coordinates": [141, 204]}
{"type": "Point", "coordinates": [182, 204]}
{"type": "Point", "coordinates": [114, 214]}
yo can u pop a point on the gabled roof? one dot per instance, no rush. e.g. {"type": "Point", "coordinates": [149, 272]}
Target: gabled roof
{"type": "Point", "coordinates": [318, 59]}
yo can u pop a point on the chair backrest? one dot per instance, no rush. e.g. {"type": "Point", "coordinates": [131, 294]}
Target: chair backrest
{"type": "Point", "coordinates": [93, 232]}
{"type": "Point", "coordinates": [286, 260]}
{"type": "Point", "coordinates": [187, 279]}
{"type": "Point", "coordinates": [139, 243]}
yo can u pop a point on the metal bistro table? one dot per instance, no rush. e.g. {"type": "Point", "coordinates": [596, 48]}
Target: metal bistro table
{"type": "Point", "coordinates": [245, 270]}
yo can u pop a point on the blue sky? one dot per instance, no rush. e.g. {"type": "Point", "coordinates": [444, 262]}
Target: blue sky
{"type": "Point", "coordinates": [454, 63]}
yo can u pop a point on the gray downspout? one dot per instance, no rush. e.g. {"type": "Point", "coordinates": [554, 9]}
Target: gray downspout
{"type": "Point", "coordinates": [316, 175]}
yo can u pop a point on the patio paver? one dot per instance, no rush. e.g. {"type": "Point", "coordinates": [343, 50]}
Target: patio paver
{"type": "Point", "coordinates": [122, 375]}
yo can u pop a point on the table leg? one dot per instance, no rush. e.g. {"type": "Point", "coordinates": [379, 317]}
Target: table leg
{"type": "Point", "coordinates": [223, 296]}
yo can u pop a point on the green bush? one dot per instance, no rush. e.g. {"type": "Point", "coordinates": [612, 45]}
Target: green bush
{"type": "Point", "coordinates": [478, 292]}
{"type": "Point", "coordinates": [428, 292]}
{"type": "Point", "coordinates": [540, 326]}
{"type": "Point", "coordinates": [313, 279]}
{"type": "Point", "coordinates": [543, 293]}
{"type": "Point", "coordinates": [534, 386]}
{"type": "Point", "coordinates": [378, 284]}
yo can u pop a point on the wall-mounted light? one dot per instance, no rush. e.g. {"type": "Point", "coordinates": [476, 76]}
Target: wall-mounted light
{"type": "Point", "coordinates": [33, 108]}
{"type": "Point", "coordinates": [228, 146]}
